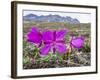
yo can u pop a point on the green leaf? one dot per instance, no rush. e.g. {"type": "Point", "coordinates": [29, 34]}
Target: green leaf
{"type": "Point", "coordinates": [47, 58]}
{"type": "Point", "coordinates": [26, 60]}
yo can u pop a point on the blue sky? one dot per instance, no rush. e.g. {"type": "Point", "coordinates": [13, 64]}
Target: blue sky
{"type": "Point", "coordinates": [82, 17]}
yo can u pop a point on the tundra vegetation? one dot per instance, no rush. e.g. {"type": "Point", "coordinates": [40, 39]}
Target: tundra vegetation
{"type": "Point", "coordinates": [73, 48]}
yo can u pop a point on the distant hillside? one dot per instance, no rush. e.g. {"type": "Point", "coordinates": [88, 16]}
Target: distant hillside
{"type": "Point", "coordinates": [51, 18]}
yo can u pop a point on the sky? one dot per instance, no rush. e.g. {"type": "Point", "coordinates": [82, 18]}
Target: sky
{"type": "Point", "coordinates": [82, 17]}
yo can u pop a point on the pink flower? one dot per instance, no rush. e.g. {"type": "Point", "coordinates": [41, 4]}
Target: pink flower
{"type": "Point", "coordinates": [54, 41]}
{"type": "Point", "coordinates": [77, 42]}
{"type": "Point", "coordinates": [35, 36]}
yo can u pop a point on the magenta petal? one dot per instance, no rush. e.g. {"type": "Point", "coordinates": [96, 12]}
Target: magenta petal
{"type": "Point", "coordinates": [35, 29]}
{"type": "Point", "coordinates": [77, 43]}
{"type": "Point", "coordinates": [45, 50]}
{"type": "Point", "coordinates": [61, 48]}
{"type": "Point", "coordinates": [34, 36]}
{"type": "Point", "coordinates": [47, 36]}
{"type": "Point", "coordinates": [60, 34]}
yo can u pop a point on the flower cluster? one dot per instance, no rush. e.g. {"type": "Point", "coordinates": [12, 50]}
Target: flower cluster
{"type": "Point", "coordinates": [53, 40]}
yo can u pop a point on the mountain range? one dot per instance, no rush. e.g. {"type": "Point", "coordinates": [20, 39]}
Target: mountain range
{"type": "Point", "coordinates": [50, 18]}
